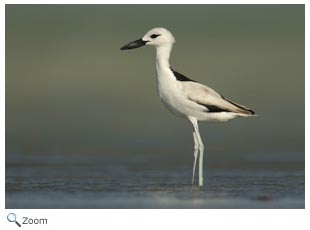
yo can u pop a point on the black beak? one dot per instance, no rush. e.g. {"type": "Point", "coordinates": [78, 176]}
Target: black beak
{"type": "Point", "coordinates": [135, 44]}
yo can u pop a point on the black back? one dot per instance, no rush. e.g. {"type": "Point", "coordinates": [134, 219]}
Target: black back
{"type": "Point", "coordinates": [181, 77]}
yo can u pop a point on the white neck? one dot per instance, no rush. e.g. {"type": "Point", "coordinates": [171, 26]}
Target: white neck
{"type": "Point", "coordinates": [165, 78]}
{"type": "Point", "coordinates": [162, 56]}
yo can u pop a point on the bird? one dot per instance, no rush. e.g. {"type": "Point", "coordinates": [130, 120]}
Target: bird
{"type": "Point", "coordinates": [185, 97]}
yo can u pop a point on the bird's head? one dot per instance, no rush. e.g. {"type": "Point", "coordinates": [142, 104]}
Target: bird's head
{"type": "Point", "coordinates": [156, 37]}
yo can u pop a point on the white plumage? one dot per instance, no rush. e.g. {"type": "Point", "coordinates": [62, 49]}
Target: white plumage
{"type": "Point", "coordinates": [185, 97]}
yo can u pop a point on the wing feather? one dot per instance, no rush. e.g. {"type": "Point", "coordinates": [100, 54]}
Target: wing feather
{"type": "Point", "coordinates": [213, 101]}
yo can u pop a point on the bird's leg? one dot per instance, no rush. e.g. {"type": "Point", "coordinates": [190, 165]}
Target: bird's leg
{"type": "Point", "coordinates": [201, 149]}
{"type": "Point", "coordinates": [196, 147]}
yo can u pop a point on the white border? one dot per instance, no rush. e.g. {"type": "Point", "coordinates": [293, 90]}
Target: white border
{"type": "Point", "coordinates": [157, 219]}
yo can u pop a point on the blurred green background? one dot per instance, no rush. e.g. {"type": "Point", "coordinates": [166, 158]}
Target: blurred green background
{"type": "Point", "coordinates": [70, 90]}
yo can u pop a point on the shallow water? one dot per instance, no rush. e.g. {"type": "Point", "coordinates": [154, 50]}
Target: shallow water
{"type": "Point", "coordinates": [57, 185]}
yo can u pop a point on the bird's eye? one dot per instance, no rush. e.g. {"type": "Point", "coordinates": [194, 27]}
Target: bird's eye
{"type": "Point", "coordinates": [155, 35]}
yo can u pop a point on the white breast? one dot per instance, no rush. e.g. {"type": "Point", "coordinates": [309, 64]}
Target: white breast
{"type": "Point", "coordinates": [169, 90]}
{"type": "Point", "coordinates": [171, 93]}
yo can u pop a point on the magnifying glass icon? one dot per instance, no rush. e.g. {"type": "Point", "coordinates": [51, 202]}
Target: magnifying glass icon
{"type": "Point", "coordinates": [12, 218]}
